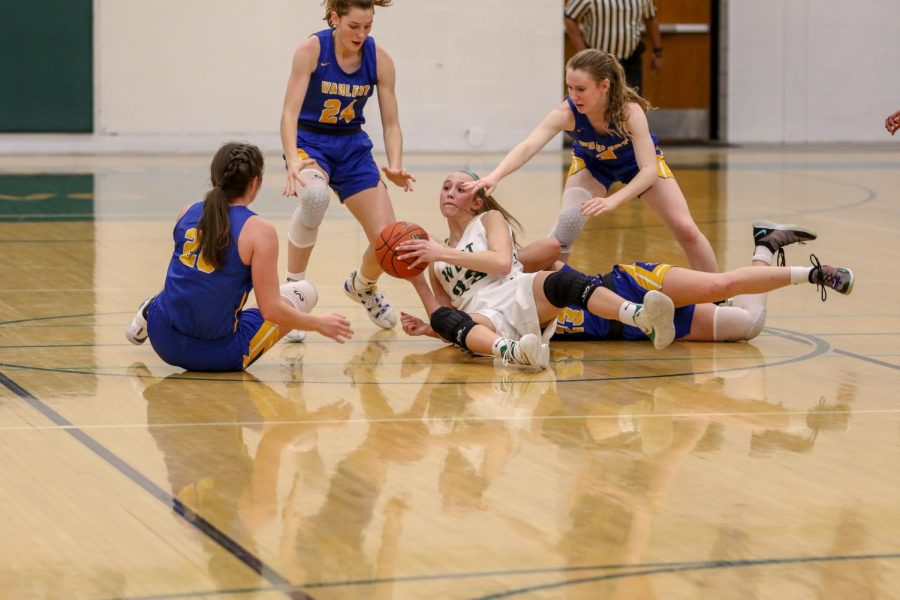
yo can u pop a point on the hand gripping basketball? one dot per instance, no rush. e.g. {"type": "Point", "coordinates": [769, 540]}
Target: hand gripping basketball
{"type": "Point", "coordinates": [386, 249]}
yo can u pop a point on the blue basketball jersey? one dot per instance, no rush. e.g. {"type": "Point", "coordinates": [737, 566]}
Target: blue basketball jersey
{"type": "Point", "coordinates": [201, 302]}
{"type": "Point", "coordinates": [631, 282]}
{"type": "Point", "coordinates": [612, 151]}
{"type": "Point", "coordinates": [335, 100]}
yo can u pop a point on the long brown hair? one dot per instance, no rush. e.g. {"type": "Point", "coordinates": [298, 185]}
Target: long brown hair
{"type": "Point", "coordinates": [233, 168]}
{"type": "Point", "coordinates": [342, 7]}
{"type": "Point", "coordinates": [490, 203]}
{"type": "Point", "coordinates": [601, 65]}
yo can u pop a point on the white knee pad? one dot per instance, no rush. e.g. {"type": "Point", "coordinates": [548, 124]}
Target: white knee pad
{"type": "Point", "coordinates": [302, 294]}
{"type": "Point", "coordinates": [571, 221]}
{"type": "Point", "coordinates": [314, 196]}
{"type": "Point", "coordinates": [733, 323]}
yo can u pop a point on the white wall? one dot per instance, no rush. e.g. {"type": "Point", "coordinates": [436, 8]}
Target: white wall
{"type": "Point", "coordinates": [471, 74]}
{"type": "Point", "coordinates": [799, 71]}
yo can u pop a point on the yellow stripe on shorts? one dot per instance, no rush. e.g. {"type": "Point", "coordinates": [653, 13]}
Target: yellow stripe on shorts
{"type": "Point", "coordinates": [261, 343]}
{"type": "Point", "coordinates": [577, 165]}
{"type": "Point", "coordinates": [649, 280]}
{"type": "Point", "coordinates": [662, 169]}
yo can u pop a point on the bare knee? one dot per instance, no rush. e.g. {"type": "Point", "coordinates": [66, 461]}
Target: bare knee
{"type": "Point", "coordinates": [723, 285]}
{"type": "Point", "coordinates": [687, 233]}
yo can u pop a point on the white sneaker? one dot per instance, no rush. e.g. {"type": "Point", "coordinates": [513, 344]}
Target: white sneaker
{"type": "Point", "coordinates": [295, 336]}
{"type": "Point", "coordinates": [656, 318]}
{"type": "Point", "coordinates": [379, 309]}
{"type": "Point", "coordinates": [136, 332]}
{"type": "Point", "coordinates": [527, 352]}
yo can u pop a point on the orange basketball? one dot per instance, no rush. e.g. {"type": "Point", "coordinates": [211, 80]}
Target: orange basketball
{"type": "Point", "coordinates": [390, 237]}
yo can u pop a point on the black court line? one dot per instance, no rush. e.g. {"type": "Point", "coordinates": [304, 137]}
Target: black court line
{"type": "Point", "coordinates": [195, 520]}
{"type": "Point", "coordinates": [724, 564]}
{"type": "Point", "coordinates": [819, 347]}
{"type": "Point", "coordinates": [869, 359]}
{"type": "Point", "coordinates": [633, 570]}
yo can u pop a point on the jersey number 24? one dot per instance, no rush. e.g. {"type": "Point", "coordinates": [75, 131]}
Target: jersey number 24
{"type": "Point", "coordinates": [332, 112]}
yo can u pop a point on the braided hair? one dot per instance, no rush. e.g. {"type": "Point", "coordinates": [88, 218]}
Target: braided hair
{"type": "Point", "coordinates": [233, 167]}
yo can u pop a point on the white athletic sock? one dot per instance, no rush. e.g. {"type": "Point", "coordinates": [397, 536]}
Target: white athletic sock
{"type": "Point", "coordinates": [500, 346]}
{"type": "Point", "coordinates": [361, 282]}
{"type": "Point", "coordinates": [800, 275]}
{"type": "Point", "coordinates": [764, 254]}
{"type": "Point", "coordinates": [627, 313]}
{"type": "Point", "coordinates": [296, 276]}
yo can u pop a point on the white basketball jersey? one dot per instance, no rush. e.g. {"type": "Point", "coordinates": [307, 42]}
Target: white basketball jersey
{"type": "Point", "coordinates": [464, 285]}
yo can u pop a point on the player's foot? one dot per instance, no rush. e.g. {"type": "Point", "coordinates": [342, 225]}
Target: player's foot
{"type": "Point", "coordinates": [526, 352]}
{"type": "Point", "coordinates": [775, 236]}
{"type": "Point", "coordinates": [295, 336]}
{"type": "Point", "coordinates": [136, 332]}
{"type": "Point", "coordinates": [839, 279]}
{"type": "Point", "coordinates": [656, 318]}
{"type": "Point", "coordinates": [303, 295]}
{"type": "Point", "coordinates": [379, 309]}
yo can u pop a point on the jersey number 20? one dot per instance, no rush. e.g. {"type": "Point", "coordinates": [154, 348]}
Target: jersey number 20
{"type": "Point", "coordinates": [190, 256]}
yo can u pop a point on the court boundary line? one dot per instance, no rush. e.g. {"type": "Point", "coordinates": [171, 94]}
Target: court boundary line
{"type": "Point", "coordinates": [868, 359]}
{"type": "Point", "coordinates": [703, 566]}
{"type": "Point", "coordinates": [678, 415]}
{"type": "Point", "coordinates": [638, 569]}
{"type": "Point", "coordinates": [197, 521]}
{"type": "Point", "coordinates": [820, 347]}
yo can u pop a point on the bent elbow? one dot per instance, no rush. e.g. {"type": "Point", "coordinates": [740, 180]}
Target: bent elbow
{"type": "Point", "coordinates": [270, 313]}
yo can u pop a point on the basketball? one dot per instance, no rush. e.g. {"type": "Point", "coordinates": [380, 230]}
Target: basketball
{"type": "Point", "coordinates": [392, 236]}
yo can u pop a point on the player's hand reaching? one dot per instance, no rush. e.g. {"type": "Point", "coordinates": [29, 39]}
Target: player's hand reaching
{"type": "Point", "coordinates": [293, 183]}
{"type": "Point", "coordinates": [400, 177]}
{"type": "Point", "coordinates": [334, 326]}
{"type": "Point", "coordinates": [892, 123]}
{"type": "Point", "coordinates": [488, 184]}
{"type": "Point", "coordinates": [597, 206]}
{"type": "Point", "coordinates": [415, 326]}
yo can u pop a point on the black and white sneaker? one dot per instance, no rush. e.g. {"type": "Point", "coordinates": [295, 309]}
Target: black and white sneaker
{"type": "Point", "coordinates": [775, 236]}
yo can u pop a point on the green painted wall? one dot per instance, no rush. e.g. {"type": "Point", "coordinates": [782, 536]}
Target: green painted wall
{"type": "Point", "coordinates": [46, 61]}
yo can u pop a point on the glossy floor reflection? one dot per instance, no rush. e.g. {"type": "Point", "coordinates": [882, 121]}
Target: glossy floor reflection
{"type": "Point", "coordinates": [397, 467]}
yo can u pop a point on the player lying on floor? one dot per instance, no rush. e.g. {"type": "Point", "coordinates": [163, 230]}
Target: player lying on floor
{"type": "Point", "coordinates": [482, 300]}
{"type": "Point", "coordinates": [693, 292]}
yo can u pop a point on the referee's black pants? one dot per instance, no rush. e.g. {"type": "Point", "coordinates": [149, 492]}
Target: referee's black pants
{"type": "Point", "coordinates": [634, 67]}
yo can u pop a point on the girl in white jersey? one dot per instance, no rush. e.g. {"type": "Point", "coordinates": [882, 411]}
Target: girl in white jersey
{"type": "Point", "coordinates": [485, 303]}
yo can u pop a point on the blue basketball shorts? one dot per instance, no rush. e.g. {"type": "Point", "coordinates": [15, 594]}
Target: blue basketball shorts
{"type": "Point", "coordinates": [632, 282]}
{"type": "Point", "coordinates": [611, 171]}
{"type": "Point", "coordinates": [252, 338]}
{"type": "Point", "coordinates": [347, 159]}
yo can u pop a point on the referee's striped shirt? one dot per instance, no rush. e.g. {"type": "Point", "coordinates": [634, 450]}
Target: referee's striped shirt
{"type": "Point", "coordinates": [614, 26]}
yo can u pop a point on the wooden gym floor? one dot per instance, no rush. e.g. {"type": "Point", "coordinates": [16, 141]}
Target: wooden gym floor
{"type": "Point", "coordinates": [396, 467]}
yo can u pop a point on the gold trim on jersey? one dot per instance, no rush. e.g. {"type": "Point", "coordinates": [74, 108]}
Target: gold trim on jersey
{"type": "Point", "coordinates": [649, 280]}
{"type": "Point", "coordinates": [261, 343]}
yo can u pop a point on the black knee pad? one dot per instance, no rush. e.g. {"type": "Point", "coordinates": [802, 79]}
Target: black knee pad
{"type": "Point", "coordinates": [453, 325]}
{"type": "Point", "coordinates": [569, 288]}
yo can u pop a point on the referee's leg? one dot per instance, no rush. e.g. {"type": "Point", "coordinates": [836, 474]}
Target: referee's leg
{"type": "Point", "coordinates": [634, 68]}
